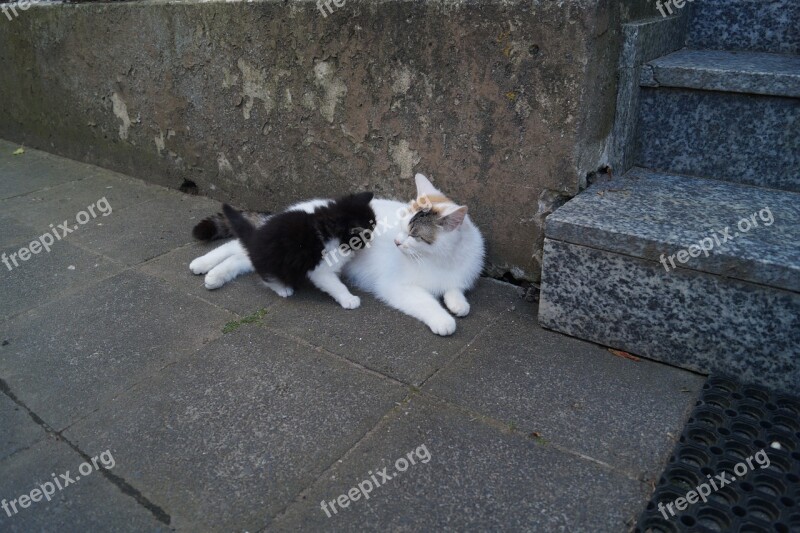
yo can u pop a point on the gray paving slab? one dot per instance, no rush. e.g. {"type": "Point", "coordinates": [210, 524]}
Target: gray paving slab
{"type": "Point", "coordinates": [74, 355]}
{"type": "Point", "coordinates": [53, 205]}
{"type": "Point", "coordinates": [14, 232]}
{"type": "Point", "coordinates": [91, 503]}
{"type": "Point", "coordinates": [18, 429]}
{"type": "Point", "coordinates": [574, 393]}
{"type": "Point", "coordinates": [33, 170]}
{"type": "Point", "coordinates": [244, 296]}
{"type": "Point", "coordinates": [45, 276]}
{"type": "Point", "coordinates": [227, 437]}
{"type": "Point", "coordinates": [151, 229]}
{"type": "Point", "coordinates": [718, 70]}
{"type": "Point", "coordinates": [382, 338]}
{"type": "Point", "coordinates": [478, 477]}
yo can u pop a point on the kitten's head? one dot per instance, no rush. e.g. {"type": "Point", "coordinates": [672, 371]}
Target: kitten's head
{"type": "Point", "coordinates": [430, 221]}
{"type": "Point", "coordinates": [352, 218]}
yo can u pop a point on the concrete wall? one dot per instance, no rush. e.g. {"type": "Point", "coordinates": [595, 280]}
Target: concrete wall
{"type": "Point", "coordinates": [505, 105]}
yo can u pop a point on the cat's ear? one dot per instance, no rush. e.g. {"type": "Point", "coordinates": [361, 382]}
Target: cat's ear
{"type": "Point", "coordinates": [452, 217]}
{"type": "Point", "coordinates": [362, 198]}
{"type": "Point", "coordinates": [425, 187]}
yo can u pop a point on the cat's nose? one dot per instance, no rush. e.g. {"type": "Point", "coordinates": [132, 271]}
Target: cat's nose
{"type": "Point", "coordinates": [397, 241]}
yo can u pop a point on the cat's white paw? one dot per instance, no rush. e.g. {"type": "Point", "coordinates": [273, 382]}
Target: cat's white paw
{"type": "Point", "coordinates": [458, 307]}
{"type": "Point", "coordinates": [350, 301]}
{"type": "Point", "coordinates": [214, 281]}
{"type": "Point", "coordinates": [199, 266]}
{"type": "Point", "coordinates": [442, 325]}
{"type": "Point", "coordinates": [284, 292]}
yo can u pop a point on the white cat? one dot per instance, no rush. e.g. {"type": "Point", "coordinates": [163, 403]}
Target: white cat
{"type": "Point", "coordinates": [420, 251]}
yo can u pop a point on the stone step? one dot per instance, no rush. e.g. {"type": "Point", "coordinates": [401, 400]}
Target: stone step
{"type": "Point", "coordinates": [751, 139]}
{"type": "Point", "coordinates": [699, 273]}
{"type": "Point", "coordinates": [753, 25]}
{"type": "Point", "coordinates": [714, 70]}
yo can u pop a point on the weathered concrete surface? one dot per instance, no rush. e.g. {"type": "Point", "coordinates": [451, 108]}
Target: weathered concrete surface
{"type": "Point", "coordinates": [506, 105]}
{"type": "Point", "coordinates": [215, 427]}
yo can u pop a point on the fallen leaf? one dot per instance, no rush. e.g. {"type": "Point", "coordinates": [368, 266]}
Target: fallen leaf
{"type": "Point", "coordinates": [19, 151]}
{"type": "Point", "coordinates": [535, 435]}
{"type": "Point", "coordinates": [624, 355]}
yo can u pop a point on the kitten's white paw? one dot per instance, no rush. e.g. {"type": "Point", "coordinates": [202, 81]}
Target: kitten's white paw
{"type": "Point", "coordinates": [443, 325]}
{"type": "Point", "coordinates": [214, 281]}
{"type": "Point", "coordinates": [459, 308]}
{"type": "Point", "coordinates": [350, 302]}
{"type": "Point", "coordinates": [284, 292]}
{"type": "Point", "coordinates": [198, 266]}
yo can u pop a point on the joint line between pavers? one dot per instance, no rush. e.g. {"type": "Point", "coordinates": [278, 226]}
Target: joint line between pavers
{"type": "Point", "coordinates": [503, 426]}
{"type": "Point", "coordinates": [341, 358]}
{"type": "Point", "coordinates": [386, 416]}
{"type": "Point", "coordinates": [119, 482]}
{"type": "Point", "coordinates": [467, 345]}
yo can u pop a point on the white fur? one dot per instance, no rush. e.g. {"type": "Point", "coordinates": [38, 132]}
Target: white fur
{"type": "Point", "coordinates": [412, 275]}
{"type": "Point", "coordinates": [407, 274]}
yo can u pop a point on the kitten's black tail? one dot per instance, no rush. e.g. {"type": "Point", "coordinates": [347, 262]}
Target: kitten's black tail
{"type": "Point", "coordinates": [242, 228]}
{"type": "Point", "coordinates": [212, 228]}
{"type": "Point", "coordinates": [217, 226]}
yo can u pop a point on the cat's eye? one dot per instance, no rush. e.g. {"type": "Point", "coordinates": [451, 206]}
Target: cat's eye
{"type": "Point", "coordinates": [356, 231]}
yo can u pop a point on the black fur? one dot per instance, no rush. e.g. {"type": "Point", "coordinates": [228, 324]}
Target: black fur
{"type": "Point", "coordinates": [217, 227]}
{"type": "Point", "coordinates": [206, 230]}
{"type": "Point", "coordinates": [290, 244]}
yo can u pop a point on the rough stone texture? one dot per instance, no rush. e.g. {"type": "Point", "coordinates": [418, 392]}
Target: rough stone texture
{"type": "Point", "coordinates": [474, 473]}
{"type": "Point", "coordinates": [515, 373]}
{"type": "Point", "coordinates": [637, 9]}
{"type": "Point", "coordinates": [727, 136]}
{"type": "Point", "coordinates": [650, 214]}
{"type": "Point", "coordinates": [740, 72]}
{"type": "Point", "coordinates": [642, 41]}
{"type": "Point", "coordinates": [699, 321]}
{"type": "Point", "coordinates": [266, 102]}
{"type": "Point", "coordinates": [120, 334]}
{"type": "Point", "coordinates": [47, 275]}
{"type": "Point", "coordinates": [240, 427]}
{"type": "Point", "coordinates": [34, 170]}
{"type": "Point", "coordinates": [89, 504]}
{"type": "Point", "coordinates": [19, 430]}
{"type": "Point", "coordinates": [754, 25]}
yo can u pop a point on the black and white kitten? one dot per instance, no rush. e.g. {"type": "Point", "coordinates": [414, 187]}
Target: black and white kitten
{"type": "Point", "coordinates": [292, 245]}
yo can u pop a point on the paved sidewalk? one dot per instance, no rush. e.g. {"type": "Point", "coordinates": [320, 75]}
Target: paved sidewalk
{"type": "Point", "coordinates": [223, 418]}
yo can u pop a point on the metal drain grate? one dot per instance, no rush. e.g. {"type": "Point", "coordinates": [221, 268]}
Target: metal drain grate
{"type": "Point", "coordinates": [730, 424]}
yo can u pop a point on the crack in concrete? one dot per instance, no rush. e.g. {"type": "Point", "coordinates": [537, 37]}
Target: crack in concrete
{"type": "Point", "coordinates": [126, 488]}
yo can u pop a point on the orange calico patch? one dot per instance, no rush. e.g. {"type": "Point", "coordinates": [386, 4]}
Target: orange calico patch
{"type": "Point", "coordinates": [426, 201]}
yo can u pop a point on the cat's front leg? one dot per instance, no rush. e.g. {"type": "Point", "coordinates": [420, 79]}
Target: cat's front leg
{"type": "Point", "coordinates": [456, 302]}
{"type": "Point", "coordinates": [421, 304]}
{"type": "Point", "coordinates": [327, 281]}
